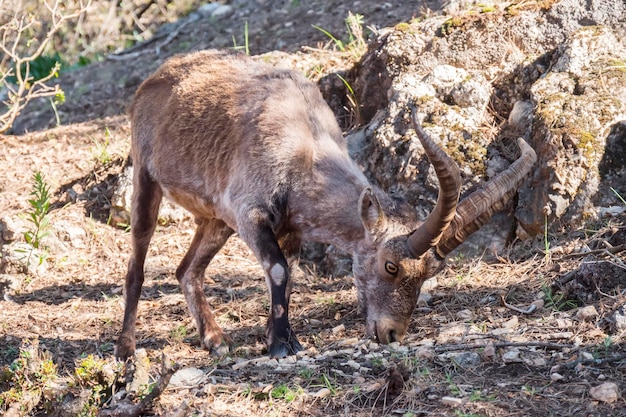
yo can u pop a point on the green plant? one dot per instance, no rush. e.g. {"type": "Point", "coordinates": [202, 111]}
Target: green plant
{"type": "Point", "coordinates": [22, 382]}
{"type": "Point", "coordinates": [328, 384]}
{"type": "Point", "coordinates": [306, 373]}
{"type": "Point", "coordinates": [246, 44]}
{"type": "Point", "coordinates": [355, 109]}
{"type": "Point", "coordinates": [92, 374]}
{"type": "Point", "coordinates": [101, 148]}
{"type": "Point", "coordinates": [606, 344]}
{"type": "Point", "coordinates": [284, 392]}
{"type": "Point", "coordinates": [179, 333]}
{"type": "Point", "coordinates": [452, 387]}
{"type": "Point", "coordinates": [59, 98]}
{"type": "Point", "coordinates": [38, 217]}
{"type": "Point", "coordinates": [557, 301]}
{"type": "Point", "coordinates": [355, 44]}
{"type": "Point", "coordinates": [618, 195]}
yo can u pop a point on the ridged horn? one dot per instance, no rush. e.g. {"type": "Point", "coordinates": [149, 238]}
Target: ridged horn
{"type": "Point", "coordinates": [428, 233]}
{"type": "Point", "coordinates": [477, 208]}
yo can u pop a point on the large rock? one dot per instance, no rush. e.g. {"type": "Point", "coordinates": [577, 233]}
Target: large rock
{"type": "Point", "coordinates": [578, 103]}
{"type": "Point", "coordinates": [550, 73]}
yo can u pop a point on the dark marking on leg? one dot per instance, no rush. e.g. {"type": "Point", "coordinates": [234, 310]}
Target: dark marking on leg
{"type": "Point", "coordinates": [258, 234]}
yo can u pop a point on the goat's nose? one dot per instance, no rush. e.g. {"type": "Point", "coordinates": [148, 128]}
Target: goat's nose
{"type": "Point", "coordinates": [388, 331]}
{"type": "Point", "coordinates": [392, 336]}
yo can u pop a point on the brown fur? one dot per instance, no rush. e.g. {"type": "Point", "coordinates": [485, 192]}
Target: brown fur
{"type": "Point", "coordinates": [253, 149]}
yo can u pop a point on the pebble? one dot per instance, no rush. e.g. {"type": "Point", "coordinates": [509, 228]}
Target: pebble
{"type": "Point", "coordinates": [187, 377]}
{"type": "Point", "coordinates": [466, 314]}
{"type": "Point", "coordinates": [323, 393]}
{"type": "Point", "coordinates": [607, 392]}
{"type": "Point", "coordinates": [452, 401]}
{"type": "Point", "coordinates": [465, 359]}
{"type": "Point", "coordinates": [620, 318]}
{"type": "Point", "coordinates": [512, 323]}
{"type": "Point", "coordinates": [206, 10]}
{"type": "Point", "coordinates": [339, 329]}
{"type": "Point", "coordinates": [349, 342]}
{"type": "Point", "coordinates": [586, 313]}
{"type": "Point", "coordinates": [223, 11]}
{"type": "Point", "coordinates": [556, 376]}
{"type": "Point", "coordinates": [511, 356]}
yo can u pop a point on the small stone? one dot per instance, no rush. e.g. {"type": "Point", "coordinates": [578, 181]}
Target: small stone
{"type": "Point", "coordinates": [607, 392]}
{"type": "Point", "coordinates": [560, 335]}
{"type": "Point", "coordinates": [8, 229]}
{"type": "Point", "coordinates": [423, 299]}
{"type": "Point", "coordinates": [323, 393]}
{"type": "Point", "coordinates": [351, 341]}
{"type": "Point", "coordinates": [353, 365]}
{"type": "Point", "coordinates": [538, 304]}
{"type": "Point", "coordinates": [206, 10]}
{"type": "Point", "coordinates": [466, 359]}
{"type": "Point", "coordinates": [500, 331]}
{"type": "Point", "coordinates": [288, 360]}
{"type": "Point", "coordinates": [223, 11]}
{"type": "Point", "coordinates": [586, 356]}
{"type": "Point", "coordinates": [466, 314]}
{"type": "Point", "coordinates": [339, 329]}
{"type": "Point", "coordinates": [556, 377]}
{"type": "Point", "coordinates": [187, 377]}
{"type": "Point", "coordinates": [511, 356]}
{"type": "Point", "coordinates": [586, 313]}
{"type": "Point", "coordinates": [425, 352]}
{"type": "Point", "coordinates": [534, 359]}
{"type": "Point", "coordinates": [452, 401]}
{"type": "Point", "coordinates": [489, 351]}
{"type": "Point", "coordinates": [512, 323]}
{"type": "Point", "coordinates": [619, 318]}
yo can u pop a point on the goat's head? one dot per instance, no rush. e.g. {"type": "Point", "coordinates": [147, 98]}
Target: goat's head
{"type": "Point", "coordinates": [399, 253]}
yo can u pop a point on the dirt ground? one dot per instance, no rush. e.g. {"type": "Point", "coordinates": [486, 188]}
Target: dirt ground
{"type": "Point", "coordinates": [475, 348]}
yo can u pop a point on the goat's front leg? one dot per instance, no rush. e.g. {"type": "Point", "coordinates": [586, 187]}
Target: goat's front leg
{"type": "Point", "coordinates": [258, 234]}
{"type": "Point", "coordinates": [211, 234]}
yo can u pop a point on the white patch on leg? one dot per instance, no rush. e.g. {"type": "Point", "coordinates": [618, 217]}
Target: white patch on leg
{"type": "Point", "coordinates": [277, 273]}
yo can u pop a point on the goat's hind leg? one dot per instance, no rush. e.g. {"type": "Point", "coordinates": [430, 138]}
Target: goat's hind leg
{"type": "Point", "coordinates": [146, 199]}
{"type": "Point", "coordinates": [211, 234]}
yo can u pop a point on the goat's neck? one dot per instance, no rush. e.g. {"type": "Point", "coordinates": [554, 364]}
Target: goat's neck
{"type": "Point", "coordinates": [328, 211]}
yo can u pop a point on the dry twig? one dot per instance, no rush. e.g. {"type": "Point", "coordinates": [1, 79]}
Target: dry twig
{"type": "Point", "coordinates": [12, 36]}
{"type": "Point", "coordinates": [126, 408]}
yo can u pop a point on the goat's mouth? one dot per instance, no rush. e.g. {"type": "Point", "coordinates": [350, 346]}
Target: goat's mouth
{"type": "Point", "coordinates": [387, 331]}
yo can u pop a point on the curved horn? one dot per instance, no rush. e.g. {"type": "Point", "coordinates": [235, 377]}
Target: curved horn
{"type": "Point", "coordinates": [428, 233]}
{"type": "Point", "coordinates": [477, 208]}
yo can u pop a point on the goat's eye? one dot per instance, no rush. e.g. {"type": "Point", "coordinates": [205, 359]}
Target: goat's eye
{"type": "Point", "coordinates": [391, 268]}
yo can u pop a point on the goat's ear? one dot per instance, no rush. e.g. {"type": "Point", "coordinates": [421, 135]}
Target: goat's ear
{"type": "Point", "coordinates": [372, 216]}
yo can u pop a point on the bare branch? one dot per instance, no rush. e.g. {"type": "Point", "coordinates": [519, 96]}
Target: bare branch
{"type": "Point", "coordinates": [18, 62]}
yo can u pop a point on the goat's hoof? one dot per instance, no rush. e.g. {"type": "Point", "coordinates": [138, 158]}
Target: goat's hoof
{"type": "Point", "coordinates": [220, 350]}
{"type": "Point", "coordinates": [217, 344]}
{"type": "Point", "coordinates": [283, 348]}
{"type": "Point", "coordinates": [125, 348]}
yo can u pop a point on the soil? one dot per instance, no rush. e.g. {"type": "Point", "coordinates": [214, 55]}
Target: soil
{"type": "Point", "coordinates": [469, 352]}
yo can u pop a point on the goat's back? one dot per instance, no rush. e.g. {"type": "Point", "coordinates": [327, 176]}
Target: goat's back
{"type": "Point", "coordinates": [211, 124]}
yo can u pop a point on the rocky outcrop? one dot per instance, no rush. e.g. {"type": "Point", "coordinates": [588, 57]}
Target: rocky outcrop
{"type": "Point", "coordinates": [552, 72]}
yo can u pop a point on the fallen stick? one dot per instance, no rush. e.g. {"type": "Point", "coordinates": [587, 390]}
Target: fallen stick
{"type": "Point", "coordinates": [548, 345]}
{"type": "Point", "coordinates": [126, 408]}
